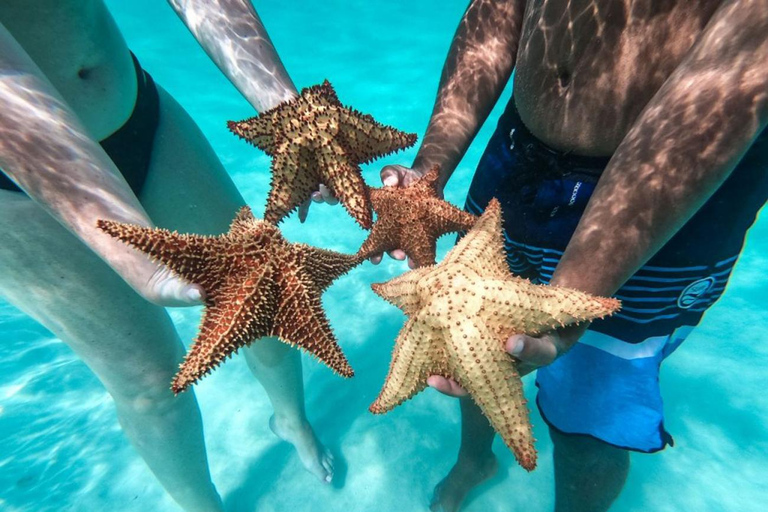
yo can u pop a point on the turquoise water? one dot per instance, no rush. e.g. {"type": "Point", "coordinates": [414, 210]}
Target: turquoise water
{"type": "Point", "coordinates": [61, 448]}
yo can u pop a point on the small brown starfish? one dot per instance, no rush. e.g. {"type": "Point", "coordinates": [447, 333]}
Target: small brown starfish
{"type": "Point", "coordinates": [314, 139]}
{"type": "Point", "coordinates": [460, 313]}
{"type": "Point", "coordinates": [412, 219]}
{"type": "Point", "coordinates": [256, 283]}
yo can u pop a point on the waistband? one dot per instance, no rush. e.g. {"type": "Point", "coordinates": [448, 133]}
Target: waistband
{"type": "Point", "coordinates": [550, 163]}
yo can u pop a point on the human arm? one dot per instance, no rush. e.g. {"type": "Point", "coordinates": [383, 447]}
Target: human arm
{"type": "Point", "coordinates": [478, 66]}
{"type": "Point", "coordinates": [233, 36]}
{"type": "Point", "coordinates": [679, 151]}
{"type": "Point", "coordinates": [45, 149]}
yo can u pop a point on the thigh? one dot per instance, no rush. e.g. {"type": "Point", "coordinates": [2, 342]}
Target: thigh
{"type": "Point", "coordinates": [53, 277]}
{"type": "Point", "coordinates": [187, 187]}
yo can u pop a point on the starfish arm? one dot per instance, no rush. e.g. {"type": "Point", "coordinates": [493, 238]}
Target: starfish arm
{"type": "Point", "coordinates": [481, 366]}
{"type": "Point", "coordinates": [293, 182]}
{"type": "Point", "coordinates": [321, 94]}
{"type": "Point", "coordinates": [345, 181]}
{"type": "Point", "coordinates": [414, 358]}
{"type": "Point", "coordinates": [240, 315]}
{"type": "Point", "coordinates": [259, 131]}
{"type": "Point", "coordinates": [449, 219]}
{"type": "Point", "coordinates": [524, 307]}
{"type": "Point", "coordinates": [300, 321]}
{"type": "Point", "coordinates": [324, 266]}
{"type": "Point", "coordinates": [243, 221]}
{"type": "Point", "coordinates": [368, 139]}
{"type": "Point", "coordinates": [428, 183]}
{"type": "Point", "coordinates": [419, 245]}
{"type": "Point", "coordinates": [383, 237]}
{"type": "Point", "coordinates": [482, 249]}
{"type": "Point", "coordinates": [402, 291]}
{"type": "Point", "coordinates": [187, 255]}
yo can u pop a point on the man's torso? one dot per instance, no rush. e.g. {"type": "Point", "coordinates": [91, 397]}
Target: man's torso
{"type": "Point", "coordinates": [586, 68]}
{"type": "Point", "coordinates": [78, 47]}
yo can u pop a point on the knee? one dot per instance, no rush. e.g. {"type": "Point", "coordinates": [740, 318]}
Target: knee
{"type": "Point", "coordinates": [147, 393]}
{"type": "Point", "coordinates": [587, 451]}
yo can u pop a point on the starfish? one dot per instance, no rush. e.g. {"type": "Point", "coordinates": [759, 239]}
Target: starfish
{"type": "Point", "coordinates": [256, 284]}
{"type": "Point", "coordinates": [412, 219]}
{"type": "Point", "coordinates": [314, 139]}
{"type": "Point", "coordinates": [460, 313]}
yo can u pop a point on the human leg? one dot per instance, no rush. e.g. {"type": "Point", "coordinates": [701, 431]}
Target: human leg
{"type": "Point", "coordinates": [188, 189]}
{"type": "Point", "coordinates": [55, 279]}
{"type": "Point", "coordinates": [475, 463]}
{"type": "Point", "coordinates": [278, 367]}
{"type": "Point", "coordinates": [589, 473]}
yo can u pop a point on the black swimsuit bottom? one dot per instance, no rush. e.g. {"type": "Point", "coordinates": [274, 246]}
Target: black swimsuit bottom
{"type": "Point", "coordinates": [130, 147]}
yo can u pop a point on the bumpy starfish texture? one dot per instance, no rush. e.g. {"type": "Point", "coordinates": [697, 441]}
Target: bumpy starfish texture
{"type": "Point", "coordinates": [412, 219]}
{"type": "Point", "coordinates": [256, 284]}
{"type": "Point", "coordinates": [460, 313]}
{"type": "Point", "coordinates": [314, 139]}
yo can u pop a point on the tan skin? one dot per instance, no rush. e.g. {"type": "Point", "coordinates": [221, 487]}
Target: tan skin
{"type": "Point", "coordinates": [674, 90]}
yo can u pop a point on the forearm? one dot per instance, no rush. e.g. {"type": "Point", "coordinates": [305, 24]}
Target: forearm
{"type": "Point", "coordinates": [232, 34]}
{"type": "Point", "coordinates": [682, 147]}
{"type": "Point", "coordinates": [478, 66]}
{"type": "Point", "coordinates": [47, 152]}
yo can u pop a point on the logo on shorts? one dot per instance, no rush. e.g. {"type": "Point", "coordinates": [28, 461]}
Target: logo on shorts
{"type": "Point", "coordinates": [694, 291]}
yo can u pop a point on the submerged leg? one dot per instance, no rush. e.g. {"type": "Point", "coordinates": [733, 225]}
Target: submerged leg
{"type": "Point", "coordinates": [278, 368]}
{"type": "Point", "coordinates": [589, 474]}
{"type": "Point", "coordinates": [54, 278]}
{"type": "Point", "coordinates": [475, 464]}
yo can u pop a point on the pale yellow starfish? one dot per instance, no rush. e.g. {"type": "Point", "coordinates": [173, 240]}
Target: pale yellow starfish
{"type": "Point", "coordinates": [460, 313]}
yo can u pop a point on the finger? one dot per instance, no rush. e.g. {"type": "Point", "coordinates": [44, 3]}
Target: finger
{"type": "Point", "coordinates": [411, 263]}
{"type": "Point", "coordinates": [328, 196]}
{"type": "Point", "coordinates": [446, 386]}
{"type": "Point", "coordinates": [397, 254]}
{"type": "Point", "coordinates": [391, 175]}
{"type": "Point", "coordinates": [303, 210]}
{"type": "Point", "coordinates": [316, 197]}
{"type": "Point", "coordinates": [376, 258]}
{"type": "Point", "coordinates": [534, 351]}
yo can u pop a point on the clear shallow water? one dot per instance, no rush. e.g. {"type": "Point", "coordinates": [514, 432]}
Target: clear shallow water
{"type": "Point", "coordinates": [61, 448]}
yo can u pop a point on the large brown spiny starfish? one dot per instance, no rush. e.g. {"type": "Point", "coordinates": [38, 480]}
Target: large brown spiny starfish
{"type": "Point", "coordinates": [314, 139]}
{"type": "Point", "coordinates": [412, 219]}
{"type": "Point", "coordinates": [256, 283]}
{"type": "Point", "coordinates": [460, 313]}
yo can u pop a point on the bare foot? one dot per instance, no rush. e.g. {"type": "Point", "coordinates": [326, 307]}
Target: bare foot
{"type": "Point", "coordinates": [449, 494]}
{"type": "Point", "coordinates": [314, 456]}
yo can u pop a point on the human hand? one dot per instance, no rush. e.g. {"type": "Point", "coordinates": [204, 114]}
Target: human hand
{"type": "Point", "coordinates": [166, 289]}
{"type": "Point", "coordinates": [397, 176]}
{"type": "Point", "coordinates": [152, 280]}
{"type": "Point", "coordinates": [531, 352]}
{"type": "Point", "coordinates": [323, 195]}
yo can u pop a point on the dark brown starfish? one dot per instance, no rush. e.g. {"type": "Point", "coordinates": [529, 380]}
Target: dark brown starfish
{"type": "Point", "coordinates": [412, 219]}
{"type": "Point", "coordinates": [256, 283]}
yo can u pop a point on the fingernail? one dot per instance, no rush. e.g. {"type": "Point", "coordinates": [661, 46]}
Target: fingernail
{"type": "Point", "coordinates": [390, 181]}
{"type": "Point", "coordinates": [517, 347]}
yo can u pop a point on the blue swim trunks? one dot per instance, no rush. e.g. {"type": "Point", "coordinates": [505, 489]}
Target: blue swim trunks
{"type": "Point", "coordinates": [607, 385]}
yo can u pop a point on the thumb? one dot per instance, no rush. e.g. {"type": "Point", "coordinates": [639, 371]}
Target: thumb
{"type": "Point", "coordinates": [167, 289]}
{"type": "Point", "coordinates": [533, 351]}
{"type": "Point", "coordinates": [392, 175]}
